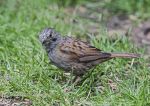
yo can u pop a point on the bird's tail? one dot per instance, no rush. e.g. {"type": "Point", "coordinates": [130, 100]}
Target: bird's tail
{"type": "Point", "coordinates": [125, 55]}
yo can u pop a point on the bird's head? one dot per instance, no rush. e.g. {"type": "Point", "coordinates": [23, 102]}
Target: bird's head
{"type": "Point", "coordinates": [49, 37]}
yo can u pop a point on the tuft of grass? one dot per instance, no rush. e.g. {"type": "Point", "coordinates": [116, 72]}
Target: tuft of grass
{"type": "Point", "coordinates": [25, 70]}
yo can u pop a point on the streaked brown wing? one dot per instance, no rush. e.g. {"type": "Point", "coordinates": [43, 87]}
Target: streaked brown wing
{"type": "Point", "coordinates": [82, 51]}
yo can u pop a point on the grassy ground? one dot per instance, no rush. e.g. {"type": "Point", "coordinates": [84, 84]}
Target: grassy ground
{"type": "Point", "coordinates": [25, 70]}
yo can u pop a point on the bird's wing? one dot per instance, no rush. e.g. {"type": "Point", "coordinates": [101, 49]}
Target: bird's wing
{"type": "Point", "coordinates": [82, 51]}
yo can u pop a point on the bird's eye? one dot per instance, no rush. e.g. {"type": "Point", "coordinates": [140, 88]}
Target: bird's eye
{"type": "Point", "coordinates": [50, 35]}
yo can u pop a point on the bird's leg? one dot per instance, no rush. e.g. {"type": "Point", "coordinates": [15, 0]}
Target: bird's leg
{"type": "Point", "coordinates": [77, 80]}
{"type": "Point", "coordinates": [88, 75]}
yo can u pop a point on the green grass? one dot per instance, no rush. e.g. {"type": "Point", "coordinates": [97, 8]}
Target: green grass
{"type": "Point", "coordinates": [138, 8]}
{"type": "Point", "coordinates": [25, 70]}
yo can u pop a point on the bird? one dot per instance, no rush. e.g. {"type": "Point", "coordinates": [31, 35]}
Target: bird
{"type": "Point", "coordinates": [74, 55]}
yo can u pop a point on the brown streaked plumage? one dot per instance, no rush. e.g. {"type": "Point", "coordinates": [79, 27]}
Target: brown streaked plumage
{"type": "Point", "coordinates": [74, 55]}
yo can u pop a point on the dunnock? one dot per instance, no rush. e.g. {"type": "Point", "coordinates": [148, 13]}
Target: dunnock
{"type": "Point", "coordinates": [74, 55]}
